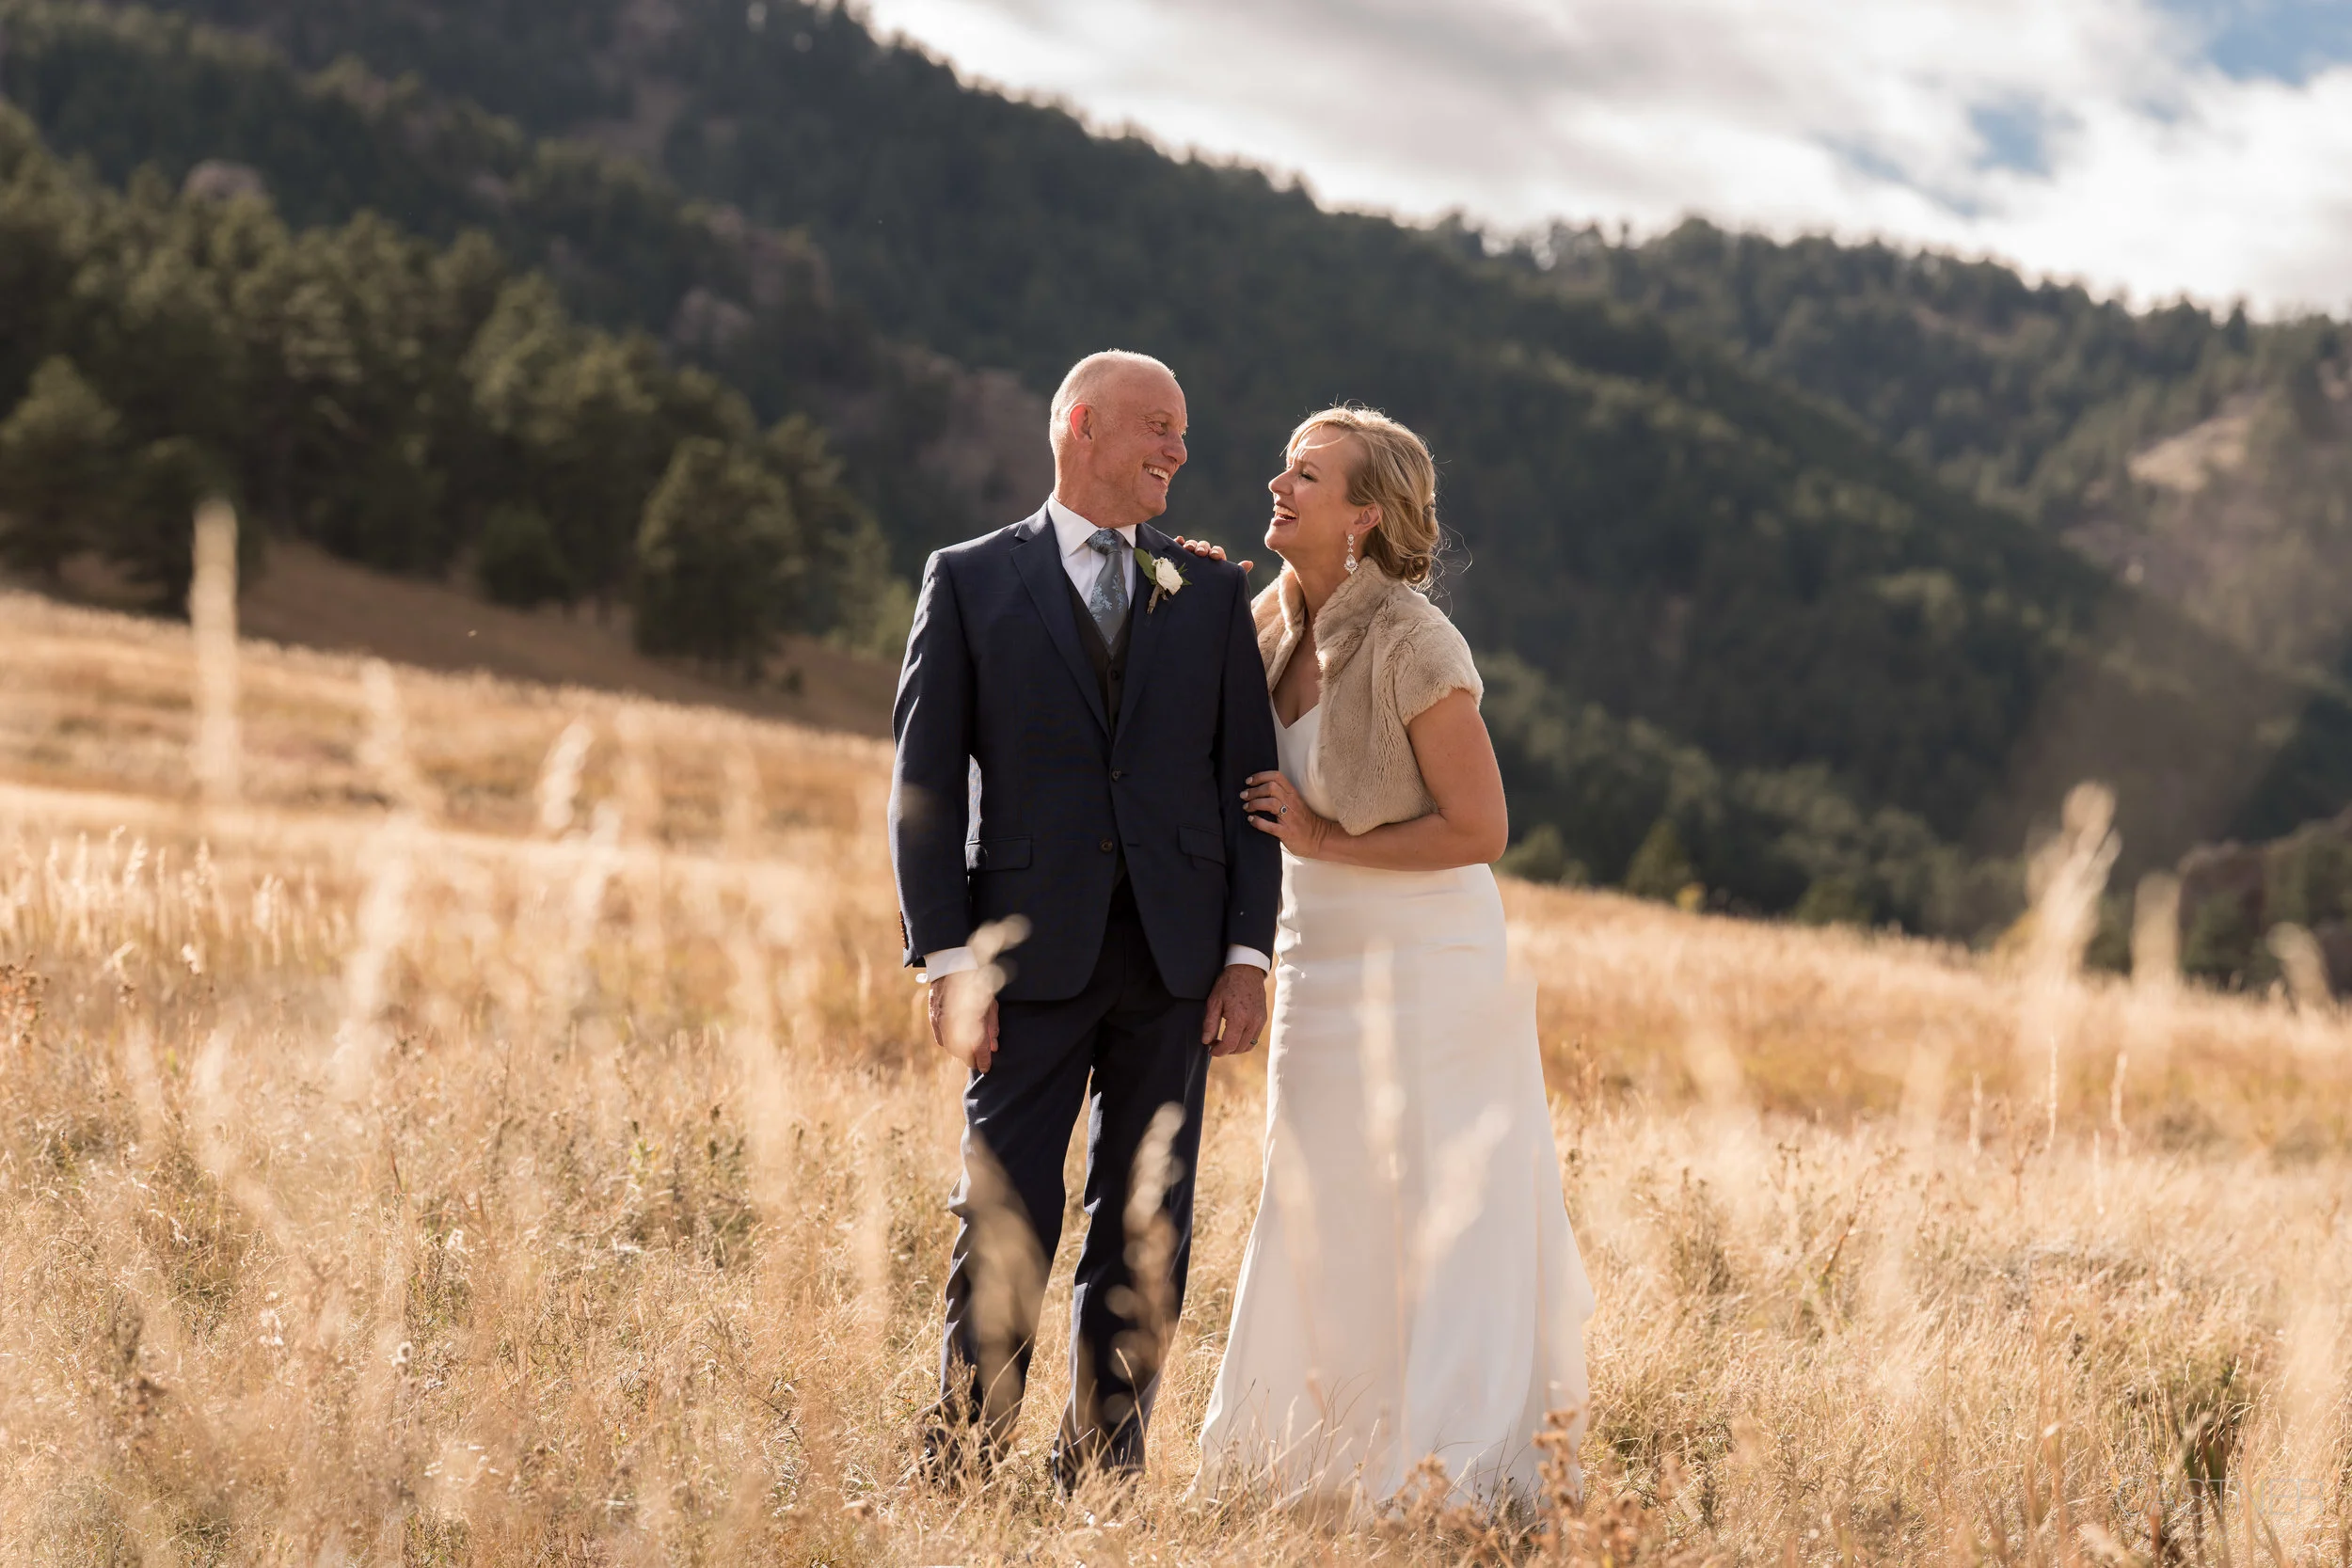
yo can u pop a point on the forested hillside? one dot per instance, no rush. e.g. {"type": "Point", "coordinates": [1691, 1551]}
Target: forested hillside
{"type": "Point", "coordinates": [626, 248]}
{"type": "Point", "coordinates": [2020, 393]}
{"type": "Point", "coordinates": [1712, 607]}
{"type": "Point", "coordinates": [405, 404]}
{"type": "Point", "coordinates": [2208, 459]}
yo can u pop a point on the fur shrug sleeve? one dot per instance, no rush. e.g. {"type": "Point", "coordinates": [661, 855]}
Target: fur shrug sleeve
{"type": "Point", "coordinates": [1429, 662]}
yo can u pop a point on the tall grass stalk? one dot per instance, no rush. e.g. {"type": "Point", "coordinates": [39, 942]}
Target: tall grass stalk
{"type": "Point", "coordinates": [217, 752]}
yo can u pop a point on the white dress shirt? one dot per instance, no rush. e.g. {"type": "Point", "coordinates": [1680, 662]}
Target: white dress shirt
{"type": "Point", "coordinates": [1085, 566]}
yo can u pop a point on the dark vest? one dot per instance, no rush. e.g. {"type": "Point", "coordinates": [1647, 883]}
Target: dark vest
{"type": "Point", "coordinates": [1110, 677]}
{"type": "Point", "coordinates": [1108, 658]}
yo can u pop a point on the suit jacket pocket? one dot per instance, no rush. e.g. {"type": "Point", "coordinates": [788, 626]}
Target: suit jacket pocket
{"type": "Point", "coordinates": [1201, 842]}
{"type": "Point", "coordinates": [996, 854]}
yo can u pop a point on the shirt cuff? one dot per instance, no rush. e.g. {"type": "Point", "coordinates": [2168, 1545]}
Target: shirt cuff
{"type": "Point", "coordinates": [948, 960]}
{"type": "Point", "coordinates": [1249, 956]}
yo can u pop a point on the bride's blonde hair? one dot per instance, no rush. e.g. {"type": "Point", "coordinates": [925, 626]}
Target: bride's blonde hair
{"type": "Point", "coordinates": [1394, 472]}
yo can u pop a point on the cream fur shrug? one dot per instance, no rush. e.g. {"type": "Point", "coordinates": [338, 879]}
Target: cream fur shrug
{"type": "Point", "coordinates": [1386, 655]}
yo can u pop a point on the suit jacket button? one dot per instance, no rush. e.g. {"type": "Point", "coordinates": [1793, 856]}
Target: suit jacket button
{"type": "Point", "coordinates": [1108, 846]}
{"type": "Point", "coordinates": [1117, 774]}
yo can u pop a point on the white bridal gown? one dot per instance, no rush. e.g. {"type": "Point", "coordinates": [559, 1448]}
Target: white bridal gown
{"type": "Point", "coordinates": [1412, 1287]}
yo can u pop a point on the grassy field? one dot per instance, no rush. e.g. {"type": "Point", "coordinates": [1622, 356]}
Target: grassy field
{"type": "Point", "coordinates": [488, 1124]}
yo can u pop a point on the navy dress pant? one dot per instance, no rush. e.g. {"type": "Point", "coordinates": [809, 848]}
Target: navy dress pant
{"type": "Point", "coordinates": [1118, 1052]}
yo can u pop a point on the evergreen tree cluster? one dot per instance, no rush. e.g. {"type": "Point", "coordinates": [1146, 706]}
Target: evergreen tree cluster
{"type": "Point", "coordinates": [1617, 801]}
{"type": "Point", "coordinates": [130, 88]}
{"type": "Point", "coordinates": [2234, 897]}
{"type": "Point", "coordinates": [415, 408]}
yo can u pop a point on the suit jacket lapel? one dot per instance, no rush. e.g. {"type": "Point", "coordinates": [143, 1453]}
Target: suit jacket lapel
{"type": "Point", "coordinates": [1039, 561]}
{"type": "Point", "coordinates": [1143, 624]}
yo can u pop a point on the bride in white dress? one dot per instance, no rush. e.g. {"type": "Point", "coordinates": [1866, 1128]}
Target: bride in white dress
{"type": "Point", "coordinates": [1411, 1287]}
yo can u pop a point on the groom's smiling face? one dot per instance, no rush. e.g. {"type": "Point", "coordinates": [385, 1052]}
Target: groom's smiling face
{"type": "Point", "coordinates": [1129, 443]}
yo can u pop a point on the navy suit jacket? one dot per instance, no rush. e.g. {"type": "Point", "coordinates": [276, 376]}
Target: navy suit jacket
{"type": "Point", "coordinates": [996, 676]}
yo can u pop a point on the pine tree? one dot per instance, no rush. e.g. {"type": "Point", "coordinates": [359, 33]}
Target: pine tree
{"type": "Point", "coordinates": [519, 561]}
{"type": "Point", "coordinates": [1661, 866]}
{"type": "Point", "coordinates": [719, 557]}
{"type": "Point", "coordinates": [151, 538]}
{"type": "Point", "coordinates": [58, 488]}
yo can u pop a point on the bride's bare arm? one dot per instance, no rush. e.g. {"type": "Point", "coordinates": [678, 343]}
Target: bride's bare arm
{"type": "Point", "coordinates": [1471, 824]}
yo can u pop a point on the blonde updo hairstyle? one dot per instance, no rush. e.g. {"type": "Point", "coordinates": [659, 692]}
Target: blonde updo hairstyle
{"type": "Point", "coordinates": [1394, 472]}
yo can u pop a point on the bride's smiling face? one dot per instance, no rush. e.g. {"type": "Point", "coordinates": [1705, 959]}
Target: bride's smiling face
{"type": "Point", "coordinates": [1313, 515]}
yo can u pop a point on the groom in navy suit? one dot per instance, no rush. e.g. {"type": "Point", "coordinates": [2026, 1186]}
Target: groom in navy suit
{"type": "Point", "coordinates": [1081, 702]}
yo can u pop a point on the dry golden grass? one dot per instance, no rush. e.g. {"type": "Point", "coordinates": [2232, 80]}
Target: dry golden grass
{"type": "Point", "coordinates": [502, 1135]}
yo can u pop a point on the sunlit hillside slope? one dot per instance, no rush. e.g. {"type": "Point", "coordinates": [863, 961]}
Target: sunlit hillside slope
{"type": "Point", "coordinates": [309, 599]}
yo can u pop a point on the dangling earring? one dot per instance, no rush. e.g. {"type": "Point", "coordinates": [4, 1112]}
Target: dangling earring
{"type": "Point", "coordinates": [1351, 555]}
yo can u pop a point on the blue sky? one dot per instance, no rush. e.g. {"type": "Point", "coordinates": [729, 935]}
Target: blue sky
{"type": "Point", "coordinates": [2288, 40]}
{"type": "Point", "coordinates": [2150, 147]}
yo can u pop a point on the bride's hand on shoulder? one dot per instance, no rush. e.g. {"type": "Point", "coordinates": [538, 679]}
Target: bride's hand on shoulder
{"type": "Point", "coordinates": [1275, 807]}
{"type": "Point", "coordinates": [1215, 553]}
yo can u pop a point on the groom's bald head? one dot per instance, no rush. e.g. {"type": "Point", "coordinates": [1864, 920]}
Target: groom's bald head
{"type": "Point", "coordinates": [1101, 376]}
{"type": "Point", "coordinates": [1118, 428]}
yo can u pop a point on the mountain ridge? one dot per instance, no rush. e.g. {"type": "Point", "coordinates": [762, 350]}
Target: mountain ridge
{"type": "Point", "coordinates": [2073, 410]}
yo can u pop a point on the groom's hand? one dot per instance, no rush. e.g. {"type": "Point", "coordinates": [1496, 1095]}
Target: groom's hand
{"type": "Point", "coordinates": [963, 1019]}
{"type": "Point", "coordinates": [1236, 1015]}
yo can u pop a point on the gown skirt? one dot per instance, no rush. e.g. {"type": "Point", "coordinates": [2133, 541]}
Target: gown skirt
{"type": "Point", "coordinates": [1411, 1288]}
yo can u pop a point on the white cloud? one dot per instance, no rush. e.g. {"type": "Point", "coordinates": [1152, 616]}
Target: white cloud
{"type": "Point", "coordinates": [2083, 138]}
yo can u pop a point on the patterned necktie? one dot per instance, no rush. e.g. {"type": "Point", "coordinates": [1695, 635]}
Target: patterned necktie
{"type": "Point", "coordinates": [1108, 602]}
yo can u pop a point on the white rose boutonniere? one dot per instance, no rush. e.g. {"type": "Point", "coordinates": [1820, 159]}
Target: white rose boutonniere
{"type": "Point", "coordinates": [1165, 578]}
